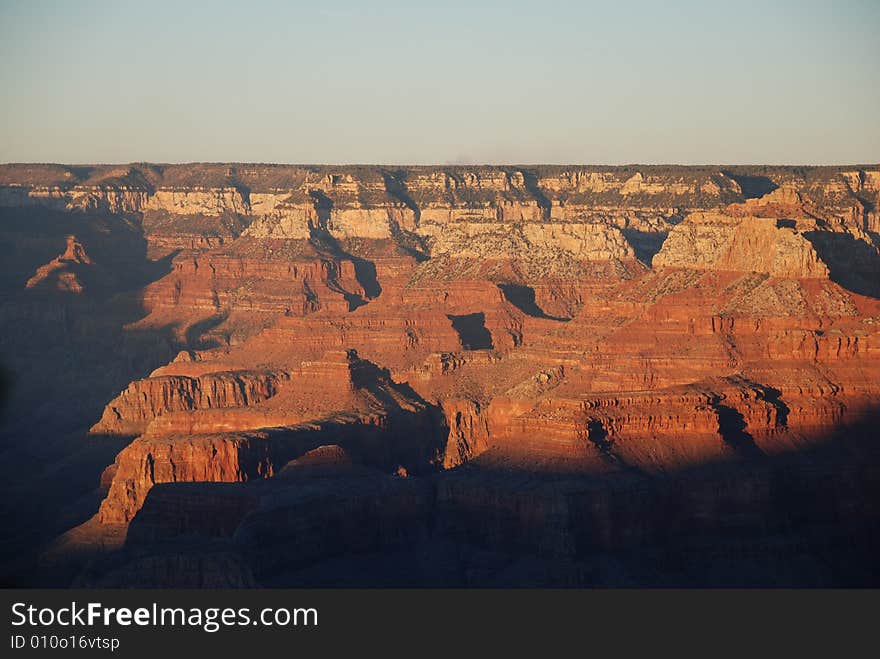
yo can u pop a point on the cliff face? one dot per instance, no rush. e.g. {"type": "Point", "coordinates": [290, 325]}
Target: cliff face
{"type": "Point", "coordinates": [144, 400]}
{"type": "Point", "coordinates": [745, 244]}
{"type": "Point", "coordinates": [449, 331]}
{"type": "Point", "coordinates": [379, 203]}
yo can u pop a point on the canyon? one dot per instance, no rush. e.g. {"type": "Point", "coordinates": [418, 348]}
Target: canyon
{"type": "Point", "coordinates": [248, 375]}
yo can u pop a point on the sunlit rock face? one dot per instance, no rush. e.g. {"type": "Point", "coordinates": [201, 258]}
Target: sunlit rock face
{"type": "Point", "coordinates": [281, 373]}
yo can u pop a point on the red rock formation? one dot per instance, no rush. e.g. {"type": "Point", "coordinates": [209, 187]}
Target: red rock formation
{"type": "Point", "coordinates": [612, 325]}
{"type": "Point", "coordinates": [147, 461]}
{"type": "Point", "coordinates": [746, 244]}
{"type": "Point", "coordinates": [63, 273]}
{"type": "Point", "coordinates": [144, 400]}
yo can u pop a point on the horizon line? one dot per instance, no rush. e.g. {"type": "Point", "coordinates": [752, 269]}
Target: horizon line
{"type": "Point", "coordinates": [437, 164]}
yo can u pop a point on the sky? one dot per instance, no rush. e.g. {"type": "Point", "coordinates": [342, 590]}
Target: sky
{"type": "Point", "coordinates": [612, 82]}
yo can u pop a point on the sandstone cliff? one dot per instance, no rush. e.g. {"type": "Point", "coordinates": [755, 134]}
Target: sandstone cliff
{"type": "Point", "coordinates": [747, 244]}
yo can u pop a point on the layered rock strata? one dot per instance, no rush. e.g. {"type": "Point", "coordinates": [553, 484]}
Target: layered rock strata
{"type": "Point", "coordinates": [466, 359]}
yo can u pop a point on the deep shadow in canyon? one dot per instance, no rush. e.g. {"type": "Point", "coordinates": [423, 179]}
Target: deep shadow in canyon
{"type": "Point", "coordinates": [645, 244]}
{"type": "Point", "coordinates": [808, 518]}
{"type": "Point", "coordinates": [324, 242]}
{"type": "Point", "coordinates": [752, 186]}
{"type": "Point", "coordinates": [472, 331]}
{"type": "Point", "coordinates": [63, 357]}
{"type": "Point", "coordinates": [851, 263]}
{"type": "Point", "coordinates": [523, 298]}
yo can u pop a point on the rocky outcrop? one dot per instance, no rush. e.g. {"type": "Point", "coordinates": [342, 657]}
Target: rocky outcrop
{"type": "Point", "coordinates": [147, 461]}
{"type": "Point", "coordinates": [468, 431]}
{"type": "Point", "coordinates": [747, 244]}
{"type": "Point", "coordinates": [144, 400]}
{"type": "Point", "coordinates": [63, 273]}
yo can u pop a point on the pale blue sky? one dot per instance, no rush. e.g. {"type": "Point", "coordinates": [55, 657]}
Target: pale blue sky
{"type": "Point", "coordinates": [785, 81]}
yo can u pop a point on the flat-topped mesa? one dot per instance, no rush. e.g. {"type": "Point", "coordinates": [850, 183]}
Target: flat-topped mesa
{"type": "Point", "coordinates": [143, 400]}
{"type": "Point", "coordinates": [181, 398]}
{"type": "Point", "coordinates": [712, 241]}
